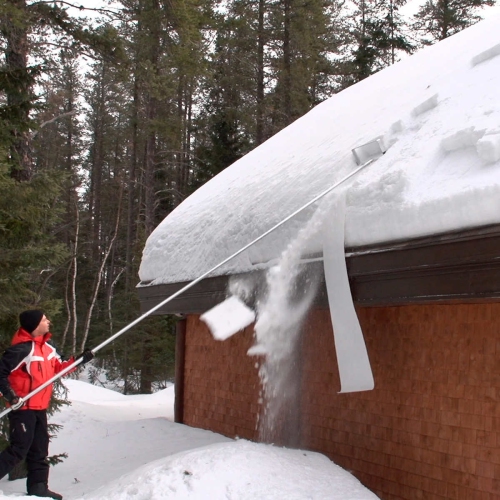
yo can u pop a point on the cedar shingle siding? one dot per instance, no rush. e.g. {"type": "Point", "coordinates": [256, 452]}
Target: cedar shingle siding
{"type": "Point", "coordinates": [431, 427]}
{"type": "Point", "coordinates": [221, 384]}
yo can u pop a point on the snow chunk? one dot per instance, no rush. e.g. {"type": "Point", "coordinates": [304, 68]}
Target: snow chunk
{"type": "Point", "coordinates": [427, 105]}
{"type": "Point", "coordinates": [397, 127]}
{"type": "Point", "coordinates": [228, 318]}
{"type": "Point", "coordinates": [488, 148]}
{"type": "Point", "coordinates": [257, 350]}
{"type": "Point", "coordinates": [486, 55]}
{"type": "Point", "coordinates": [462, 139]}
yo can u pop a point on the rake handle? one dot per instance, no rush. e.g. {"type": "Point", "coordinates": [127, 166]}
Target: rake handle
{"type": "Point", "coordinates": [192, 283]}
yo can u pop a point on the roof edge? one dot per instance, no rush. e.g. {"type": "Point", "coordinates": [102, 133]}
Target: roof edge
{"type": "Point", "coordinates": [454, 266]}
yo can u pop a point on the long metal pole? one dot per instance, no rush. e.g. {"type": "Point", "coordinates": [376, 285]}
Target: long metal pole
{"type": "Point", "coordinates": [192, 283]}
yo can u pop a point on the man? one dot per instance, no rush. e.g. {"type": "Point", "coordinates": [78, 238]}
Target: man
{"type": "Point", "coordinates": [29, 362]}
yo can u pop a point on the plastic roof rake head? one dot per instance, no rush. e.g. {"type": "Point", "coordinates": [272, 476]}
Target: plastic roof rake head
{"type": "Point", "coordinates": [370, 151]}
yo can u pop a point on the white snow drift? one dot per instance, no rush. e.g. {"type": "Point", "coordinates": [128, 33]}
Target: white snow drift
{"type": "Point", "coordinates": [127, 448]}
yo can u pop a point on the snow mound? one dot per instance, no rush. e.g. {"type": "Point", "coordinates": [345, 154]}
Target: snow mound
{"type": "Point", "coordinates": [83, 391]}
{"type": "Point", "coordinates": [240, 470]}
{"type": "Point", "coordinates": [128, 447]}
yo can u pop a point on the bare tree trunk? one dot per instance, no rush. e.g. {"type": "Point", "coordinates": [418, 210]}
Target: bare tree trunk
{"type": "Point", "coordinates": [19, 91]}
{"type": "Point", "coordinates": [149, 173]}
{"type": "Point", "coordinates": [287, 64]}
{"type": "Point", "coordinates": [67, 306]}
{"type": "Point", "coordinates": [97, 168]}
{"type": "Point", "coordinates": [260, 76]}
{"type": "Point", "coordinates": [391, 15]}
{"type": "Point", "coordinates": [146, 382]}
{"type": "Point", "coordinates": [132, 191]}
{"type": "Point", "coordinates": [74, 316]}
{"type": "Point", "coordinates": [151, 106]}
{"type": "Point", "coordinates": [99, 276]}
{"type": "Point", "coordinates": [110, 300]}
{"type": "Point", "coordinates": [70, 300]}
{"type": "Point", "coordinates": [185, 104]}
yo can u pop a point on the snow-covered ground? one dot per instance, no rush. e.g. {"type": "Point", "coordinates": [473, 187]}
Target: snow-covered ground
{"type": "Point", "coordinates": [128, 447]}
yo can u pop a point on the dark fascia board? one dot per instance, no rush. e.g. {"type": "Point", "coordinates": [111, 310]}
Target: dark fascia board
{"type": "Point", "coordinates": [450, 267]}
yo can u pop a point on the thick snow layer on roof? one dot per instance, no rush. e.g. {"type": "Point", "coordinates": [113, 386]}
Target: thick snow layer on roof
{"type": "Point", "coordinates": [439, 114]}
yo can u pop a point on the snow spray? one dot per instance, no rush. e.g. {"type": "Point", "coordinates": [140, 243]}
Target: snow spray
{"type": "Point", "coordinates": [290, 292]}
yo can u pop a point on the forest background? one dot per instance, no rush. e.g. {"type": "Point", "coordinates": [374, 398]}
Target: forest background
{"type": "Point", "coordinates": [111, 114]}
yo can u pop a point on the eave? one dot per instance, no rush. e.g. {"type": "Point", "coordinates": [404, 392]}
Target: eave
{"type": "Point", "coordinates": [456, 266]}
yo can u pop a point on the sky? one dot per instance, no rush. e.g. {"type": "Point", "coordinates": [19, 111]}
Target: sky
{"type": "Point", "coordinates": [128, 448]}
{"type": "Point", "coordinates": [437, 114]}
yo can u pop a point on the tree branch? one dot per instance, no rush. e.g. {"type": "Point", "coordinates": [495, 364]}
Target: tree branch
{"type": "Point", "coordinates": [79, 7]}
{"type": "Point", "coordinates": [52, 120]}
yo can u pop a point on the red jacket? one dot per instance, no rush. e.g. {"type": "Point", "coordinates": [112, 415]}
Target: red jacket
{"type": "Point", "coordinates": [27, 364]}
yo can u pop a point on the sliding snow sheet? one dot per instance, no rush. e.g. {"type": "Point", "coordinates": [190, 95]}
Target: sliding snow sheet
{"type": "Point", "coordinates": [228, 318]}
{"type": "Point", "coordinates": [354, 365]}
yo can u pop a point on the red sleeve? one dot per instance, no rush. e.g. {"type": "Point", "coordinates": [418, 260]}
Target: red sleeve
{"type": "Point", "coordinates": [61, 365]}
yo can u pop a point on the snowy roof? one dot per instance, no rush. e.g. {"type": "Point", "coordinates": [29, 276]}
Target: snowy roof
{"type": "Point", "coordinates": [438, 112]}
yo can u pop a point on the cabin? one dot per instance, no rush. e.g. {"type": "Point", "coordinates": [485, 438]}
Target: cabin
{"type": "Point", "coordinates": [416, 232]}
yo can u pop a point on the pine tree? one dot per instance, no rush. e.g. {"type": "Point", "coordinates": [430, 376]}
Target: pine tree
{"type": "Point", "coordinates": [378, 34]}
{"type": "Point", "coordinates": [439, 19]}
{"type": "Point", "coordinates": [30, 252]}
{"type": "Point", "coordinates": [139, 155]}
{"type": "Point", "coordinates": [29, 256]}
{"type": "Point", "coordinates": [304, 42]}
{"type": "Point", "coordinates": [225, 126]}
{"type": "Point", "coordinates": [21, 23]}
{"type": "Point", "coordinates": [31, 177]}
{"type": "Point", "coordinates": [16, 83]}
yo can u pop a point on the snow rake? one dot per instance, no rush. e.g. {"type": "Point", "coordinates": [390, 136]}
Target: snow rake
{"type": "Point", "coordinates": [375, 154]}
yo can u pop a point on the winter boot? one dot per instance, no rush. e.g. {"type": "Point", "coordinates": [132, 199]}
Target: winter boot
{"type": "Point", "coordinates": [42, 490]}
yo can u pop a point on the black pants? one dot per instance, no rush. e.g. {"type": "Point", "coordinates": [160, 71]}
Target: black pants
{"type": "Point", "coordinates": [29, 439]}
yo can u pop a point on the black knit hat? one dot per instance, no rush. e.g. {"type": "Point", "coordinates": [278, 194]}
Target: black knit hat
{"type": "Point", "coordinates": [29, 320]}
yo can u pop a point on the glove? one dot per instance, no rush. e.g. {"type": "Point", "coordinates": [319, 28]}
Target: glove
{"type": "Point", "coordinates": [85, 356]}
{"type": "Point", "coordinates": [14, 400]}
{"type": "Point", "coordinates": [16, 403]}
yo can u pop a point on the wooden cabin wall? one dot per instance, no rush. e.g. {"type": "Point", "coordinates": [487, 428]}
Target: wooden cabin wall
{"type": "Point", "coordinates": [221, 385]}
{"type": "Point", "coordinates": [429, 430]}
{"type": "Point", "coordinates": [431, 427]}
